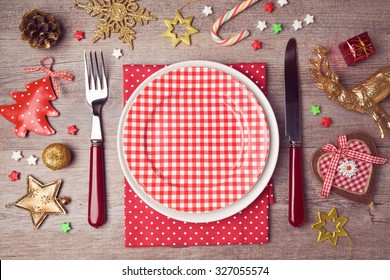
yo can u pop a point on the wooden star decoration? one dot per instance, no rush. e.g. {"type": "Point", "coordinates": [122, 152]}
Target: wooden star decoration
{"type": "Point", "coordinates": [178, 19]}
{"type": "Point", "coordinates": [323, 234]}
{"type": "Point", "coordinates": [41, 200]}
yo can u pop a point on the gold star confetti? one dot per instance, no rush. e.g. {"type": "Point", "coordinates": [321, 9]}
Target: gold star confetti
{"type": "Point", "coordinates": [41, 200]}
{"type": "Point", "coordinates": [176, 39]}
{"type": "Point", "coordinates": [117, 16]}
{"type": "Point", "coordinates": [323, 234]}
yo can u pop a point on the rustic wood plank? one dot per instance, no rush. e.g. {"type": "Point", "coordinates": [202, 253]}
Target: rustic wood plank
{"type": "Point", "coordinates": [336, 21]}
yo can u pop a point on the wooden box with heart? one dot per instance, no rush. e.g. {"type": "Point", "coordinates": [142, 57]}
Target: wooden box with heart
{"type": "Point", "coordinates": [349, 168]}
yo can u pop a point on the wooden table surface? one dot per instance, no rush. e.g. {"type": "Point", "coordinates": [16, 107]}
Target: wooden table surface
{"type": "Point", "coordinates": [335, 21]}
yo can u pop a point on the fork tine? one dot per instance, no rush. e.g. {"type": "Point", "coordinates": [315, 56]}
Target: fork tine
{"type": "Point", "coordinates": [104, 78]}
{"type": "Point", "coordinates": [92, 79]}
{"type": "Point", "coordinates": [86, 71]}
{"type": "Point", "coordinates": [98, 83]}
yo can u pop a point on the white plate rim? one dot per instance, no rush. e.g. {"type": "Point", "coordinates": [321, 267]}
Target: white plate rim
{"type": "Point", "coordinates": [246, 199]}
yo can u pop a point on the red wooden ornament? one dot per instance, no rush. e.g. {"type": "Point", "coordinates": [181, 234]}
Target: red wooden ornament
{"type": "Point", "coordinates": [360, 186]}
{"type": "Point", "coordinates": [31, 108]}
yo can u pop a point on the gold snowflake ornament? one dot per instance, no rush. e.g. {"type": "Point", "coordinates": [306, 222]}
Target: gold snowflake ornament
{"type": "Point", "coordinates": [117, 16]}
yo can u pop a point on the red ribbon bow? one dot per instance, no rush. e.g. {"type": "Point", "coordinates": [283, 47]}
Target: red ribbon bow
{"type": "Point", "coordinates": [54, 75]}
{"type": "Point", "coordinates": [343, 150]}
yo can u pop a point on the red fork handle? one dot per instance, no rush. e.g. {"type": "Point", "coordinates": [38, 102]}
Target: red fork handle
{"type": "Point", "coordinates": [96, 199]}
{"type": "Point", "coordinates": [296, 207]}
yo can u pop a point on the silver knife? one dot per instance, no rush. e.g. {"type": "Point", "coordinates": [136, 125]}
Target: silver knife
{"type": "Point", "coordinates": [296, 213]}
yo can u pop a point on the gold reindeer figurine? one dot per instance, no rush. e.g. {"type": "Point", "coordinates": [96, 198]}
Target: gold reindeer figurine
{"type": "Point", "coordinates": [363, 98]}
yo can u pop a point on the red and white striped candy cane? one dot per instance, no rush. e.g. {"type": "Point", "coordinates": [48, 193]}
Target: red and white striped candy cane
{"type": "Point", "coordinates": [231, 13]}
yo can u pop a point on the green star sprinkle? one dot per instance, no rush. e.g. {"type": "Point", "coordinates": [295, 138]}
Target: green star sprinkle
{"type": "Point", "coordinates": [315, 110]}
{"type": "Point", "coordinates": [277, 27]}
{"type": "Point", "coordinates": [65, 227]}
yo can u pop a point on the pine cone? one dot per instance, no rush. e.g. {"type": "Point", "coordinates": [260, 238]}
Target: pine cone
{"type": "Point", "coordinates": [39, 29]}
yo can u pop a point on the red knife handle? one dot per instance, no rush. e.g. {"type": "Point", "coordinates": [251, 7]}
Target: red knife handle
{"type": "Point", "coordinates": [296, 207]}
{"type": "Point", "coordinates": [96, 199]}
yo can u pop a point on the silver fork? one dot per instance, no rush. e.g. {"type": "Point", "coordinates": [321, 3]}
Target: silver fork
{"type": "Point", "coordinates": [97, 95]}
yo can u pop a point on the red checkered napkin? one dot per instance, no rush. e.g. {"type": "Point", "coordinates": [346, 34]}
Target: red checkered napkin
{"type": "Point", "coordinates": [357, 183]}
{"type": "Point", "coordinates": [228, 122]}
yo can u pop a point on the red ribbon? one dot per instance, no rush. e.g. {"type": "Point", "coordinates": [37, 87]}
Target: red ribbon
{"type": "Point", "coordinates": [54, 75]}
{"type": "Point", "coordinates": [337, 152]}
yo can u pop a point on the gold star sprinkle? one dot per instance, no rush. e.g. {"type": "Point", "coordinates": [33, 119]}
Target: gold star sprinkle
{"type": "Point", "coordinates": [171, 24]}
{"type": "Point", "coordinates": [41, 200]}
{"type": "Point", "coordinates": [323, 234]}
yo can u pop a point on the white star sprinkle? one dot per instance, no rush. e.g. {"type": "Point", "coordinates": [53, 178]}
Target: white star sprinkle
{"type": "Point", "coordinates": [261, 25]}
{"type": "Point", "coordinates": [207, 11]}
{"type": "Point", "coordinates": [309, 19]}
{"type": "Point", "coordinates": [32, 160]}
{"type": "Point", "coordinates": [16, 155]}
{"type": "Point", "coordinates": [297, 24]}
{"type": "Point", "coordinates": [117, 53]}
{"type": "Point", "coordinates": [282, 2]}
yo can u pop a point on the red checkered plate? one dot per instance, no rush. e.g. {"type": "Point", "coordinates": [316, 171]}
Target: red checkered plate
{"type": "Point", "coordinates": [198, 141]}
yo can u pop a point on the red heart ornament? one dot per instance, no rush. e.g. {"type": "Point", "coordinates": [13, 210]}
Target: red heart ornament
{"type": "Point", "coordinates": [356, 178]}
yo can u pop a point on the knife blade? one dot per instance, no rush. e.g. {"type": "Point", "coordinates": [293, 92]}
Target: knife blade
{"type": "Point", "coordinates": [293, 131]}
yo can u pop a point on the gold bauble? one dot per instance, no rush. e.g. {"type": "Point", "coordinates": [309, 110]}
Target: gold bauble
{"type": "Point", "coordinates": [56, 156]}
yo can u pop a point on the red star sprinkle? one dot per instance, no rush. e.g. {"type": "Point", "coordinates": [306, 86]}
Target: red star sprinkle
{"type": "Point", "coordinates": [79, 35]}
{"type": "Point", "coordinates": [269, 7]}
{"type": "Point", "coordinates": [326, 122]}
{"type": "Point", "coordinates": [72, 129]}
{"type": "Point", "coordinates": [14, 175]}
{"type": "Point", "coordinates": [256, 45]}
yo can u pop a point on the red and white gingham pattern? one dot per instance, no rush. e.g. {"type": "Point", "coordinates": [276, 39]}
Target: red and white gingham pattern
{"type": "Point", "coordinates": [357, 183]}
{"type": "Point", "coordinates": [196, 139]}
{"type": "Point", "coordinates": [146, 227]}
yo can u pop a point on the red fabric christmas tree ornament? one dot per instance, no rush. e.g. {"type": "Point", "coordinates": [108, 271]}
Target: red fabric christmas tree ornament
{"type": "Point", "coordinates": [33, 106]}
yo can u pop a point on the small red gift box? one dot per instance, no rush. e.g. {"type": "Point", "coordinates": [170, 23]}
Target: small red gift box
{"type": "Point", "coordinates": [357, 48]}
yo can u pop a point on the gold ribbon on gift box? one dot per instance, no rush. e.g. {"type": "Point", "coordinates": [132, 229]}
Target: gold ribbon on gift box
{"type": "Point", "coordinates": [357, 49]}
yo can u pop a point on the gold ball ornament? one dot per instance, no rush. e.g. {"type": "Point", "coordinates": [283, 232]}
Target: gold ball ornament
{"type": "Point", "coordinates": [56, 156]}
{"type": "Point", "coordinates": [39, 29]}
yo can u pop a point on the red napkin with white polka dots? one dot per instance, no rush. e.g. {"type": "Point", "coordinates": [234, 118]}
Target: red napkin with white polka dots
{"type": "Point", "coordinates": [146, 227]}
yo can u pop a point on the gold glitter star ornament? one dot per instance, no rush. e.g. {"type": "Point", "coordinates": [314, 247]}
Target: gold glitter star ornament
{"type": "Point", "coordinates": [41, 200]}
{"type": "Point", "coordinates": [323, 234]}
{"type": "Point", "coordinates": [178, 19]}
{"type": "Point", "coordinates": [117, 16]}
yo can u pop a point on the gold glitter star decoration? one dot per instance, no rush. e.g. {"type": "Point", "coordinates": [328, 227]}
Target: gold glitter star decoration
{"type": "Point", "coordinates": [117, 16]}
{"type": "Point", "coordinates": [41, 200]}
{"type": "Point", "coordinates": [323, 233]}
{"type": "Point", "coordinates": [175, 23]}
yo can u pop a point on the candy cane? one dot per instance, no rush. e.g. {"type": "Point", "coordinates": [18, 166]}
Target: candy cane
{"type": "Point", "coordinates": [231, 13]}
